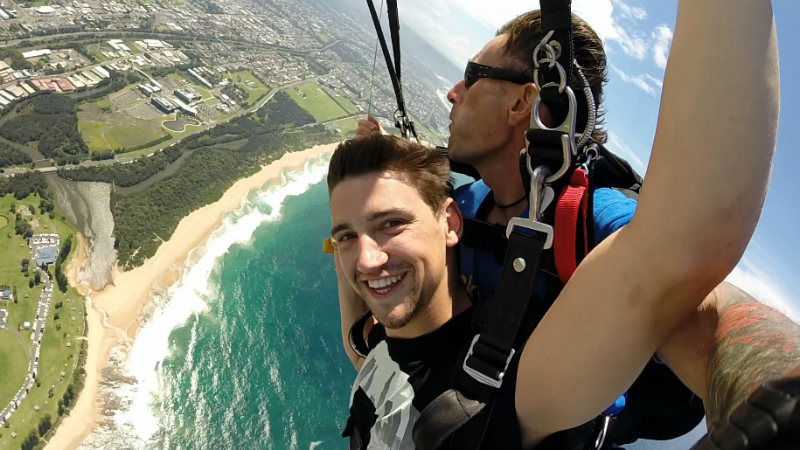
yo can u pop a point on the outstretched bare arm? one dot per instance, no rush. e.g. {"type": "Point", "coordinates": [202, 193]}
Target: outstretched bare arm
{"type": "Point", "coordinates": [717, 122]}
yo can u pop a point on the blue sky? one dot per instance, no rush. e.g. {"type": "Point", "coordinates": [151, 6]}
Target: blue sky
{"type": "Point", "coordinates": [637, 34]}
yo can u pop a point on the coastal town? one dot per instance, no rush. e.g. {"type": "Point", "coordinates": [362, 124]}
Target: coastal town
{"type": "Point", "coordinates": [69, 46]}
{"type": "Point", "coordinates": [86, 84]}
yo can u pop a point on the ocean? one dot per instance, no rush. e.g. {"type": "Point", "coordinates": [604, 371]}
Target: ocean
{"type": "Point", "coordinates": [245, 351]}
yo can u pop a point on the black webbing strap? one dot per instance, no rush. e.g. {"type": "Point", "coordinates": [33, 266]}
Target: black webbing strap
{"type": "Point", "coordinates": [394, 31]}
{"type": "Point", "coordinates": [557, 16]}
{"type": "Point", "coordinates": [393, 74]}
{"type": "Point", "coordinates": [478, 380]}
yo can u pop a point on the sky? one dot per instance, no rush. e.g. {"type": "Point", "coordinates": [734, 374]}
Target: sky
{"type": "Point", "coordinates": [637, 35]}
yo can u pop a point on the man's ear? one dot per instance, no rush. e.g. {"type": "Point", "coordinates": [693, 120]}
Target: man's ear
{"type": "Point", "coordinates": [520, 110]}
{"type": "Point", "coordinates": [454, 221]}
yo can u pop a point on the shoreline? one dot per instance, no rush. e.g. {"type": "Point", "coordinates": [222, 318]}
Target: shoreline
{"type": "Point", "coordinates": [114, 313]}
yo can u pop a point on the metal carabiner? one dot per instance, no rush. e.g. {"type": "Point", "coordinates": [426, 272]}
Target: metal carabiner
{"type": "Point", "coordinates": [568, 146]}
{"type": "Point", "coordinates": [539, 197]}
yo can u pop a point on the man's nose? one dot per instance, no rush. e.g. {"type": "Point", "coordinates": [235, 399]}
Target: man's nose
{"type": "Point", "coordinates": [454, 94]}
{"type": "Point", "coordinates": [371, 256]}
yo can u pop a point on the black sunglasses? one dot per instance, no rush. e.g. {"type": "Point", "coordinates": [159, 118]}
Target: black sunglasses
{"type": "Point", "coordinates": [475, 72]}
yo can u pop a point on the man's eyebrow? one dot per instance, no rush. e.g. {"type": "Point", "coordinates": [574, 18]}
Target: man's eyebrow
{"type": "Point", "coordinates": [371, 217]}
{"type": "Point", "coordinates": [388, 212]}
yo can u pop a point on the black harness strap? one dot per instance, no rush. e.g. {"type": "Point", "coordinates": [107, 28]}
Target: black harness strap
{"type": "Point", "coordinates": [478, 380]}
{"type": "Point", "coordinates": [394, 31]}
{"type": "Point", "coordinates": [557, 16]}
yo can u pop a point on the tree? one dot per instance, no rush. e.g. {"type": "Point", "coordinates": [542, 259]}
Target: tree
{"type": "Point", "coordinates": [37, 278]}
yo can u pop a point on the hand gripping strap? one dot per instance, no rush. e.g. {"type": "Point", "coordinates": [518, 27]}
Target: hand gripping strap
{"type": "Point", "coordinates": [768, 419]}
{"type": "Point", "coordinates": [574, 202]}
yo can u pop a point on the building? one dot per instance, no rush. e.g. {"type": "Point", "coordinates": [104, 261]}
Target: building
{"type": "Point", "coordinates": [186, 109]}
{"type": "Point", "coordinates": [101, 72]}
{"type": "Point", "coordinates": [36, 53]}
{"type": "Point", "coordinates": [145, 89]}
{"type": "Point", "coordinates": [188, 96]}
{"type": "Point", "coordinates": [163, 104]}
{"type": "Point", "coordinates": [64, 84]}
{"type": "Point", "coordinates": [45, 255]}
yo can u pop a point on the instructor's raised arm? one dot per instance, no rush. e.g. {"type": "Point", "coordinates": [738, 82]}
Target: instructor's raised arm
{"type": "Point", "coordinates": [699, 205]}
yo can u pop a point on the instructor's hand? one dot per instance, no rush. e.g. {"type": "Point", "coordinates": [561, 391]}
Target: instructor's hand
{"type": "Point", "coordinates": [368, 127]}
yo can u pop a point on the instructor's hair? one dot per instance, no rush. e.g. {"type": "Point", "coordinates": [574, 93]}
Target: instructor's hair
{"type": "Point", "coordinates": [524, 34]}
{"type": "Point", "coordinates": [425, 169]}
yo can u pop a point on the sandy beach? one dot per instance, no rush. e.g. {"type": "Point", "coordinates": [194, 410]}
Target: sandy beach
{"type": "Point", "coordinates": [114, 314]}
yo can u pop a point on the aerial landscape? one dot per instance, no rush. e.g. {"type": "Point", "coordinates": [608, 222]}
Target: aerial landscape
{"type": "Point", "coordinates": [163, 203]}
{"type": "Point", "coordinates": [121, 118]}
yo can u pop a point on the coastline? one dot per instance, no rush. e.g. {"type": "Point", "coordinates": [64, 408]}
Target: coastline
{"type": "Point", "coordinates": [114, 313]}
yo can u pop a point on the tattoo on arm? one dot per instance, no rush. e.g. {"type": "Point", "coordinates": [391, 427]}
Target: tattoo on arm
{"type": "Point", "coordinates": [752, 343]}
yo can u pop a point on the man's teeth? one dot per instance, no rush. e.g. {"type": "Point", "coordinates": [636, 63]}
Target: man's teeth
{"type": "Point", "coordinates": [383, 282]}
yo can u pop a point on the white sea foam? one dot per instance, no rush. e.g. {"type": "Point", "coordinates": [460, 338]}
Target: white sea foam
{"type": "Point", "coordinates": [137, 420]}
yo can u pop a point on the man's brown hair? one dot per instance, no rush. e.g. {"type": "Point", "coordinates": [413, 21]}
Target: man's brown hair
{"type": "Point", "coordinates": [524, 34]}
{"type": "Point", "coordinates": [425, 169]}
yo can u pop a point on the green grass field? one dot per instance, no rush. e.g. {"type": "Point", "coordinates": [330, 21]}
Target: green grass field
{"type": "Point", "coordinates": [347, 126]}
{"type": "Point", "coordinates": [104, 104]}
{"type": "Point", "coordinates": [3, 222]}
{"type": "Point", "coordinates": [343, 102]}
{"type": "Point", "coordinates": [100, 137]}
{"type": "Point", "coordinates": [13, 364]}
{"type": "Point", "coordinates": [241, 80]}
{"type": "Point", "coordinates": [311, 97]}
{"type": "Point", "coordinates": [55, 356]}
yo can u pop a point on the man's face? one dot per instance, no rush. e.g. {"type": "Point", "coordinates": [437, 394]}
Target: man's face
{"type": "Point", "coordinates": [478, 117]}
{"type": "Point", "coordinates": [391, 246]}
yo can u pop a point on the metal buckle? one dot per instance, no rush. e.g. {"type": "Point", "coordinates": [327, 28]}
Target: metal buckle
{"type": "Point", "coordinates": [539, 198]}
{"type": "Point", "coordinates": [479, 376]}
{"type": "Point", "coordinates": [531, 224]}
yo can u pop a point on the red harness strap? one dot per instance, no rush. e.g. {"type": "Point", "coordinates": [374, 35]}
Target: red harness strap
{"type": "Point", "coordinates": [572, 202]}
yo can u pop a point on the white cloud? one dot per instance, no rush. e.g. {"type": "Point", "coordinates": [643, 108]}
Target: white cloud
{"type": "Point", "coordinates": [751, 277]}
{"type": "Point", "coordinates": [663, 40]}
{"type": "Point", "coordinates": [630, 12]}
{"type": "Point", "coordinates": [441, 22]}
{"type": "Point", "coordinates": [656, 81]}
{"type": "Point", "coordinates": [645, 82]}
{"type": "Point", "coordinates": [616, 145]}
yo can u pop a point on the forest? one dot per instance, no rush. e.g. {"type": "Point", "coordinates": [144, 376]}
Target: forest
{"type": "Point", "coordinates": [51, 121]}
{"type": "Point", "coordinates": [10, 156]}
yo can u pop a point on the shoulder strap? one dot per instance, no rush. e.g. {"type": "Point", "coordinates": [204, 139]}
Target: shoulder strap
{"type": "Point", "coordinates": [478, 380]}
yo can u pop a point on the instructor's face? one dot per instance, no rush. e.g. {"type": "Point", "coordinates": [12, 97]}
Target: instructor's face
{"type": "Point", "coordinates": [390, 244]}
{"type": "Point", "coordinates": [478, 122]}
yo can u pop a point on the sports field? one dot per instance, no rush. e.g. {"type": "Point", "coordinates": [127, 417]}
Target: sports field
{"type": "Point", "coordinates": [343, 102]}
{"type": "Point", "coordinates": [311, 97]}
{"type": "Point", "coordinates": [102, 137]}
{"type": "Point", "coordinates": [251, 85]}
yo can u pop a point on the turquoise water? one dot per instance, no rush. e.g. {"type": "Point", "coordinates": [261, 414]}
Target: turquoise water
{"type": "Point", "coordinates": [245, 351]}
{"type": "Point", "coordinates": [263, 367]}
